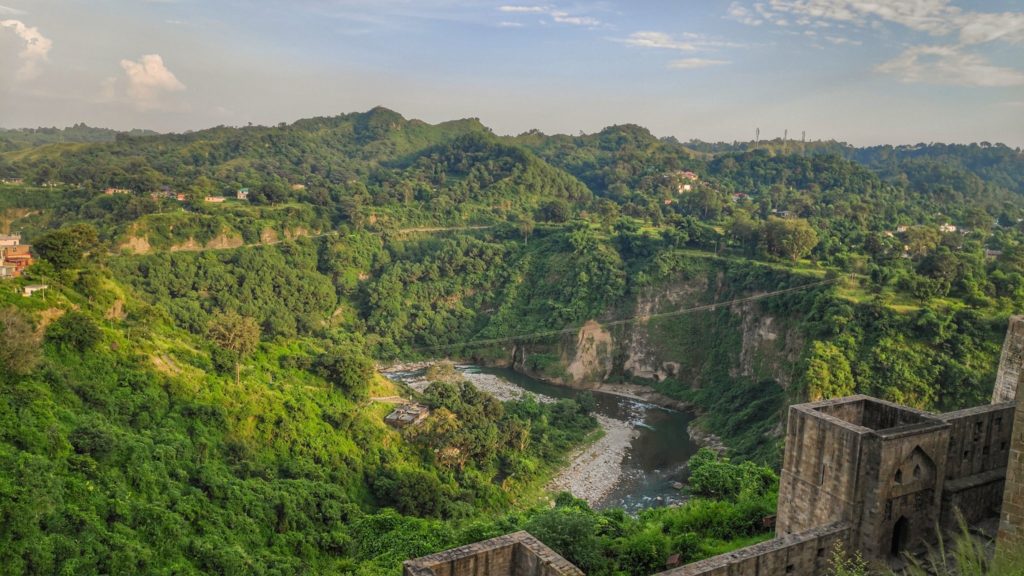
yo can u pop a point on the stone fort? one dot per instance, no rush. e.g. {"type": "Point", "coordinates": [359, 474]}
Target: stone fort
{"type": "Point", "coordinates": [875, 476]}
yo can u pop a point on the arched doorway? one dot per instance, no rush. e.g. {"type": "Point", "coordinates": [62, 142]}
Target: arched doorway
{"type": "Point", "coordinates": [900, 535]}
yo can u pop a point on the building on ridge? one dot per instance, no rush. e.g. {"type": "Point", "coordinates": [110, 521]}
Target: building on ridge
{"type": "Point", "coordinates": [15, 257]}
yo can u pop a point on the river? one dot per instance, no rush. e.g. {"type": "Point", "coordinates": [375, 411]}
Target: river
{"type": "Point", "coordinates": [656, 458]}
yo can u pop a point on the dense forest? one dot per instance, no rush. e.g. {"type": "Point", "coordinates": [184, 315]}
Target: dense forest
{"type": "Point", "coordinates": [194, 392]}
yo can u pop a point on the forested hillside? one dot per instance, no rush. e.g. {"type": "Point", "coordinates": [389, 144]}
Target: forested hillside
{"type": "Point", "coordinates": [193, 393]}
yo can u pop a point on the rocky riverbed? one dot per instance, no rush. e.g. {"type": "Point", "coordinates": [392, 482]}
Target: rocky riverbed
{"type": "Point", "coordinates": [593, 472]}
{"type": "Point", "coordinates": [412, 375]}
{"type": "Point", "coordinates": [597, 469]}
{"type": "Point", "coordinates": [638, 462]}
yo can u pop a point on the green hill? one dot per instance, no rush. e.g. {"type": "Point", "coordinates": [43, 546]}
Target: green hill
{"type": "Point", "coordinates": [737, 280]}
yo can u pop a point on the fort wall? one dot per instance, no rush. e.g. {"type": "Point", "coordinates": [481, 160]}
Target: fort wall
{"type": "Point", "coordinates": [1011, 362]}
{"type": "Point", "coordinates": [870, 474]}
{"type": "Point", "coordinates": [803, 553]}
{"type": "Point", "coordinates": [516, 554]}
{"type": "Point", "coordinates": [817, 485]}
{"type": "Point", "coordinates": [1011, 519]}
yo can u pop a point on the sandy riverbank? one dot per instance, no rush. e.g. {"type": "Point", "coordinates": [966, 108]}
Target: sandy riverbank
{"type": "Point", "coordinates": [597, 469]}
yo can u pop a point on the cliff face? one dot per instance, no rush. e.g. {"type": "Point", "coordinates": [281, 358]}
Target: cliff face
{"type": "Point", "coordinates": [739, 341]}
{"type": "Point", "coordinates": [735, 362]}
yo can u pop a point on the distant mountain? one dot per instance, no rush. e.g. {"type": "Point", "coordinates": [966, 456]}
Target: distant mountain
{"type": "Point", "coordinates": [13, 139]}
{"type": "Point", "coordinates": [995, 163]}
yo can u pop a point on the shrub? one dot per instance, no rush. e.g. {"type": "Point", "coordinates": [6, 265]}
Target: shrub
{"type": "Point", "coordinates": [74, 331]}
{"type": "Point", "coordinates": [347, 369]}
{"type": "Point", "coordinates": [20, 351]}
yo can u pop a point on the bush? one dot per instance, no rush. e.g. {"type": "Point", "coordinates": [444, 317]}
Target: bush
{"type": "Point", "coordinates": [19, 354]}
{"type": "Point", "coordinates": [74, 331]}
{"type": "Point", "coordinates": [572, 533]}
{"type": "Point", "coordinates": [717, 477]}
{"type": "Point", "coordinates": [347, 369]}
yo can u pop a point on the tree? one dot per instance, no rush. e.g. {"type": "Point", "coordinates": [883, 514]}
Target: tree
{"type": "Point", "coordinates": [572, 533]}
{"type": "Point", "coordinates": [237, 334]}
{"type": "Point", "coordinates": [347, 369]}
{"type": "Point", "coordinates": [745, 230]}
{"type": "Point", "coordinates": [556, 210]}
{"type": "Point", "coordinates": [526, 227]}
{"type": "Point", "coordinates": [74, 330]}
{"type": "Point", "coordinates": [903, 372]}
{"type": "Point", "coordinates": [791, 238]}
{"type": "Point", "coordinates": [20, 351]}
{"type": "Point", "coordinates": [65, 247]}
{"type": "Point", "coordinates": [828, 373]}
{"type": "Point", "coordinates": [714, 476]}
{"type": "Point", "coordinates": [921, 240]}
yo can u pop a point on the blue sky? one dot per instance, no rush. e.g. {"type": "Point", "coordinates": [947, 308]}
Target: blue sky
{"type": "Point", "coordinates": [863, 71]}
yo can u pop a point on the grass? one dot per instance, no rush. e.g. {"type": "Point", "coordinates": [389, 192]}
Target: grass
{"type": "Point", "coordinates": [967, 555]}
{"type": "Point", "coordinates": [712, 547]}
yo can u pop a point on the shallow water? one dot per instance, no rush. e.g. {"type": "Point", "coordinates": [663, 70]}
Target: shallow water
{"type": "Point", "coordinates": [657, 457]}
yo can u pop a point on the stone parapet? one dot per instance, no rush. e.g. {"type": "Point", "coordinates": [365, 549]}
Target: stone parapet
{"type": "Point", "coordinates": [516, 554]}
{"type": "Point", "coordinates": [804, 553]}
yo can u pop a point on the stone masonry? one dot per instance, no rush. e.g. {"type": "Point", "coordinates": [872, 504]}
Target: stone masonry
{"type": "Point", "coordinates": [892, 473]}
{"type": "Point", "coordinates": [516, 554]}
{"type": "Point", "coordinates": [1011, 519]}
{"type": "Point", "coordinates": [1010, 362]}
{"type": "Point", "coordinates": [872, 475]}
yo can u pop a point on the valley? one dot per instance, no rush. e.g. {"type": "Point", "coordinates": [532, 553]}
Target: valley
{"type": "Point", "coordinates": [195, 390]}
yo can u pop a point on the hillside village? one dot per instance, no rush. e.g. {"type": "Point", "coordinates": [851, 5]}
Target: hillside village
{"type": "Point", "coordinates": [15, 257]}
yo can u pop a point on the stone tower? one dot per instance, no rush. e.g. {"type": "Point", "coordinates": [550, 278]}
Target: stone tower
{"type": "Point", "coordinates": [870, 463]}
{"type": "Point", "coordinates": [1011, 518]}
{"type": "Point", "coordinates": [1011, 362]}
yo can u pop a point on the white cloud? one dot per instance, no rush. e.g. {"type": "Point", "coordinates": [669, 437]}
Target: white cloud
{"type": "Point", "coordinates": [37, 48]}
{"type": "Point", "coordinates": [979, 28]}
{"type": "Point", "coordinates": [565, 18]}
{"type": "Point", "coordinates": [557, 15]}
{"type": "Point", "coordinates": [934, 17]}
{"type": "Point", "coordinates": [510, 24]}
{"type": "Point", "coordinates": [741, 14]}
{"type": "Point", "coordinates": [943, 64]}
{"type": "Point", "coordinates": [658, 40]}
{"type": "Point", "coordinates": [8, 11]}
{"type": "Point", "coordinates": [524, 9]}
{"type": "Point", "coordinates": [949, 65]}
{"type": "Point", "coordinates": [840, 40]}
{"type": "Point", "coordinates": [690, 41]}
{"type": "Point", "coordinates": [693, 63]}
{"type": "Point", "coordinates": [148, 80]}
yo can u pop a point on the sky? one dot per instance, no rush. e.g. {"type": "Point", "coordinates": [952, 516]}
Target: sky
{"type": "Point", "coordinates": [861, 71]}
